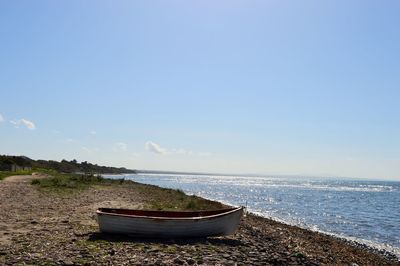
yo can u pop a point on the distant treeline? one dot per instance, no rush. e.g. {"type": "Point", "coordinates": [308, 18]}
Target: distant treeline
{"type": "Point", "coordinates": [64, 166]}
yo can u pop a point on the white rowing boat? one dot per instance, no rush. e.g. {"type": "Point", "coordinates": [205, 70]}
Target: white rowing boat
{"type": "Point", "coordinates": [169, 224]}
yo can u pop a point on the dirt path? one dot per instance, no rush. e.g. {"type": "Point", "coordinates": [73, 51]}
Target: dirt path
{"type": "Point", "coordinates": [11, 187]}
{"type": "Point", "coordinates": [23, 178]}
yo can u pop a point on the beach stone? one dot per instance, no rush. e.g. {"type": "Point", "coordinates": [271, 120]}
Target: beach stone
{"type": "Point", "coordinates": [226, 255]}
{"type": "Point", "coordinates": [153, 249]}
{"type": "Point", "coordinates": [200, 261]}
{"type": "Point", "coordinates": [179, 261]}
{"type": "Point", "coordinates": [190, 261]}
{"type": "Point", "coordinates": [158, 262]}
{"type": "Point", "coordinates": [68, 263]}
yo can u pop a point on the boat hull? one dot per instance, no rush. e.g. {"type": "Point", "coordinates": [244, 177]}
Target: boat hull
{"type": "Point", "coordinates": [220, 224]}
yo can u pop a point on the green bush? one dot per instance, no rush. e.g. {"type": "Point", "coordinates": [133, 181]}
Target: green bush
{"type": "Point", "coordinates": [61, 181]}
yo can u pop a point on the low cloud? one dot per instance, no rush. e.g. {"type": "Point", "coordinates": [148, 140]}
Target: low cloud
{"type": "Point", "coordinates": [1, 118]}
{"type": "Point", "coordinates": [120, 146]}
{"type": "Point", "coordinates": [92, 132]}
{"type": "Point", "coordinates": [154, 147]}
{"type": "Point", "coordinates": [28, 124]}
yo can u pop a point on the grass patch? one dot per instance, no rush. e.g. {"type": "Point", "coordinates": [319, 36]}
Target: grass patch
{"type": "Point", "coordinates": [172, 199]}
{"type": "Point", "coordinates": [4, 174]}
{"type": "Point", "coordinates": [170, 249]}
{"type": "Point", "coordinates": [62, 182]}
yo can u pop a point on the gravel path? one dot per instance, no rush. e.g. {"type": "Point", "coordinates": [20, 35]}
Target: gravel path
{"type": "Point", "coordinates": [51, 229]}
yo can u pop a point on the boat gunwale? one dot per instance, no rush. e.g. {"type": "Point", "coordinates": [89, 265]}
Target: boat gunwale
{"type": "Point", "coordinates": [229, 211]}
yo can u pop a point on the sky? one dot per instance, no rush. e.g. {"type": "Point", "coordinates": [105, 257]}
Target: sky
{"type": "Point", "coordinates": [261, 87]}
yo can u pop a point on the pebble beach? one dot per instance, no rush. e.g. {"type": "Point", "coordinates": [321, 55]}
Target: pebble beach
{"type": "Point", "coordinates": [42, 228]}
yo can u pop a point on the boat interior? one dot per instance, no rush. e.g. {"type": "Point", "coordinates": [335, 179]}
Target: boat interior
{"type": "Point", "coordinates": [169, 214]}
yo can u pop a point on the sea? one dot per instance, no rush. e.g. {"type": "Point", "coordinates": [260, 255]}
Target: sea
{"type": "Point", "coordinates": [364, 211]}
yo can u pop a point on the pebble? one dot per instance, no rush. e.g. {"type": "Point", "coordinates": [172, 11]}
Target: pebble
{"type": "Point", "coordinates": [178, 261]}
{"type": "Point", "coordinates": [190, 261]}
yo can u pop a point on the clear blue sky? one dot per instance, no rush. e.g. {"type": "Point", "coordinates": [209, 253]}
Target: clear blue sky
{"type": "Point", "coordinates": [281, 87]}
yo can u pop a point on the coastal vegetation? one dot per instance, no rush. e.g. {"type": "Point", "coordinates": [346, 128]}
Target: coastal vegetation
{"type": "Point", "coordinates": [174, 199]}
{"type": "Point", "coordinates": [64, 166]}
{"type": "Point", "coordinates": [69, 182]}
{"type": "Point", "coordinates": [68, 177]}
